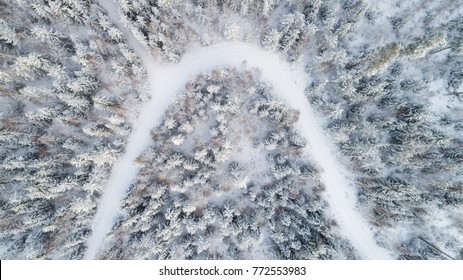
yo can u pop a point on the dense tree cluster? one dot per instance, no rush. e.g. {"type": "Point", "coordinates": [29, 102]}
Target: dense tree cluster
{"type": "Point", "coordinates": [68, 84]}
{"type": "Point", "coordinates": [226, 178]}
{"type": "Point", "coordinates": [378, 101]}
{"type": "Point", "coordinates": [169, 28]}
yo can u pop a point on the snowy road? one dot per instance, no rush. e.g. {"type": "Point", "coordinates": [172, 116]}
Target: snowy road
{"type": "Point", "coordinates": [288, 83]}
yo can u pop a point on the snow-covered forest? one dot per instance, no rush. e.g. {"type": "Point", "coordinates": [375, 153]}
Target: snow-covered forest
{"type": "Point", "coordinates": [231, 129]}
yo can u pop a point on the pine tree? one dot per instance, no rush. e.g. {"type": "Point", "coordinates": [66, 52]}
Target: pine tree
{"type": "Point", "coordinates": [423, 45]}
{"type": "Point", "coordinates": [382, 58]}
{"type": "Point", "coordinates": [30, 67]}
{"type": "Point", "coordinates": [271, 38]}
{"type": "Point", "coordinates": [8, 34]}
{"type": "Point", "coordinates": [231, 31]}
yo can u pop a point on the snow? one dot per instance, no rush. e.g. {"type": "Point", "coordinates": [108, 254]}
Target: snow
{"type": "Point", "coordinates": [288, 81]}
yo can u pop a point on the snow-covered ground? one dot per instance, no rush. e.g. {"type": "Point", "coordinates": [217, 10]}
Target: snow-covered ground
{"type": "Point", "coordinates": [288, 81]}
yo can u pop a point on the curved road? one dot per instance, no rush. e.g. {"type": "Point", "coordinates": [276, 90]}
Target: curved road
{"type": "Point", "coordinates": [288, 82]}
